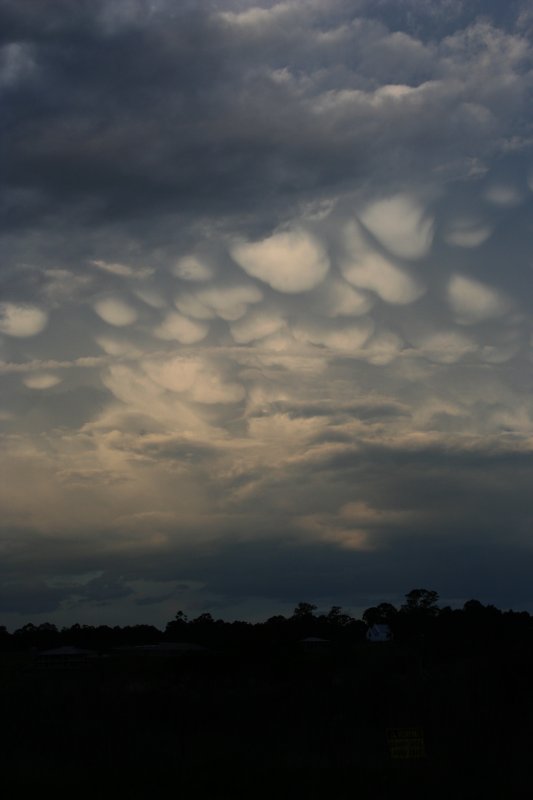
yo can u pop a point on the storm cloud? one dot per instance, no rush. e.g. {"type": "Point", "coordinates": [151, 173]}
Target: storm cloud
{"type": "Point", "coordinates": [265, 327]}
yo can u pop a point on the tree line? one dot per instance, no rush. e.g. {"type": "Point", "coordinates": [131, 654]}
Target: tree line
{"type": "Point", "coordinates": [419, 619]}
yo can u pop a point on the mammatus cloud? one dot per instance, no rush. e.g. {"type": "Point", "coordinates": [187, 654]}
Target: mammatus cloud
{"type": "Point", "coordinates": [339, 299]}
{"type": "Point", "coordinates": [291, 262]}
{"type": "Point", "coordinates": [203, 382]}
{"type": "Point", "coordinates": [179, 328]}
{"type": "Point", "coordinates": [230, 303]}
{"type": "Point", "coordinates": [472, 301]}
{"type": "Point", "coordinates": [350, 337]}
{"type": "Point", "coordinates": [41, 380]}
{"type": "Point", "coordinates": [21, 320]}
{"type": "Point", "coordinates": [115, 311]}
{"type": "Point", "coordinates": [366, 268]}
{"type": "Point", "coordinates": [446, 347]}
{"type": "Point", "coordinates": [256, 325]}
{"type": "Point", "coordinates": [400, 224]}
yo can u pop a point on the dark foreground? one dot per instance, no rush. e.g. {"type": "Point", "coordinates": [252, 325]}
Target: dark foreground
{"type": "Point", "coordinates": [227, 721]}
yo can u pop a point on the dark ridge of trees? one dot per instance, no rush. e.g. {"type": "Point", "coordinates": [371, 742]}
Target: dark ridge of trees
{"type": "Point", "coordinates": [418, 620]}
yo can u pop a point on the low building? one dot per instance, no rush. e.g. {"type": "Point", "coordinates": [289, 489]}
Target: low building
{"type": "Point", "coordinates": [61, 658]}
{"type": "Point", "coordinates": [314, 644]}
{"type": "Point", "coordinates": [379, 633]}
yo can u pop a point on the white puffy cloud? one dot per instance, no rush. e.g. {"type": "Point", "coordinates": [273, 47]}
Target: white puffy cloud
{"type": "Point", "coordinates": [21, 320]}
{"type": "Point", "coordinates": [202, 382]}
{"type": "Point", "coordinates": [383, 348]}
{"type": "Point", "coordinates": [472, 301]}
{"type": "Point", "coordinates": [180, 328]}
{"type": "Point", "coordinates": [188, 303]}
{"type": "Point", "coordinates": [174, 374]}
{"type": "Point", "coordinates": [339, 299]}
{"type": "Point", "coordinates": [347, 338]}
{"type": "Point", "coordinates": [365, 268]}
{"type": "Point", "coordinates": [41, 380]}
{"type": "Point", "coordinates": [115, 311]}
{"type": "Point", "coordinates": [256, 325]}
{"type": "Point", "coordinates": [229, 303]}
{"type": "Point", "coordinates": [133, 388]}
{"type": "Point", "coordinates": [401, 225]}
{"type": "Point", "coordinates": [290, 262]}
{"type": "Point", "coordinates": [446, 347]}
{"type": "Point", "coordinates": [190, 268]}
{"type": "Point", "coordinates": [257, 19]}
{"type": "Point", "coordinates": [117, 347]}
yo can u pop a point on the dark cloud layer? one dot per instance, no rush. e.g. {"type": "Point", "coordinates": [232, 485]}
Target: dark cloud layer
{"type": "Point", "coordinates": [129, 112]}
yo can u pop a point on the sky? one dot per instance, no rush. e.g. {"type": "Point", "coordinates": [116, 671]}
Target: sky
{"type": "Point", "coordinates": [265, 306]}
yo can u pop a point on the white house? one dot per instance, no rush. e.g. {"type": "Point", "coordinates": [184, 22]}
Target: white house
{"type": "Point", "coordinates": [379, 633]}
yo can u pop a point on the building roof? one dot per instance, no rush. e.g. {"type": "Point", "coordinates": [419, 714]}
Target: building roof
{"type": "Point", "coordinates": [65, 651]}
{"type": "Point", "coordinates": [379, 633]}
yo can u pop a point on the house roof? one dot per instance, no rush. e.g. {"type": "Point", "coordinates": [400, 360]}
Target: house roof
{"type": "Point", "coordinates": [379, 632]}
{"type": "Point", "coordinates": [66, 651]}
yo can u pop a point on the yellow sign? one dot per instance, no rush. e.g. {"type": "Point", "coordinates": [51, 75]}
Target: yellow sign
{"type": "Point", "coordinates": [406, 743]}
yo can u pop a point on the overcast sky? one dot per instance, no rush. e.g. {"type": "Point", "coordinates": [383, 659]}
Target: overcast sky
{"type": "Point", "coordinates": [265, 322]}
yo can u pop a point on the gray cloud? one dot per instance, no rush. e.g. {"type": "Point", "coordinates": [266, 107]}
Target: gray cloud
{"type": "Point", "coordinates": [195, 113]}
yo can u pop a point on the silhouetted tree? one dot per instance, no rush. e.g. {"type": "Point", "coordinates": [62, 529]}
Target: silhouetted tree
{"type": "Point", "coordinates": [303, 611]}
{"type": "Point", "coordinates": [177, 627]}
{"type": "Point", "coordinates": [382, 614]}
{"type": "Point", "coordinates": [336, 617]}
{"type": "Point", "coordinates": [421, 600]}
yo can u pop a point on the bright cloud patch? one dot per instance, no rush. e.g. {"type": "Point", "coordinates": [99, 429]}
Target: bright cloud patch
{"type": "Point", "coordinates": [367, 269]}
{"type": "Point", "coordinates": [182, 329]}
{"type": "Point", "coordinates": [202, 382]}
{"type": "Point", "coordinates": [472, 301]}
{"type": "Point", "coordinates": [341, 300]}
{"type": "Point", "coordinates": [229, 303]}
{"type": "Point", "coordinates": [256, 325]}
{"type": "Point", "coordinates": [446, 347]}
{"type": "Point", "coordinates": [346, 338]}
{"type": "Point", "coordinates": [41, 380]}
{"type": "Point", "coordinates": [21, 320]}
{"type": "Point", "coordinates": [117, 347]}
{"type": "Point", "coordinates": [401, 225]}
{"type": "Point", "coordinates": [467, 233]}
{"type": "Point", "coordinates": [383, 348]}
{"type": "Point", "coordinates": [115, 311]}
{"type": "Point", "coordinates": [289, 262]}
